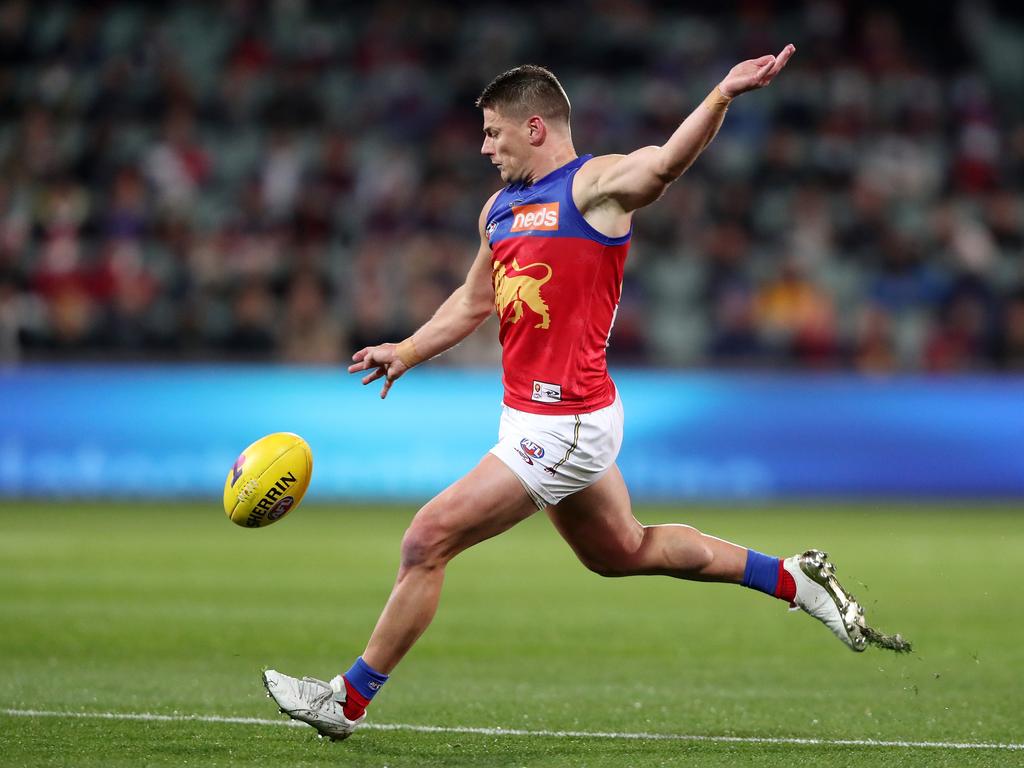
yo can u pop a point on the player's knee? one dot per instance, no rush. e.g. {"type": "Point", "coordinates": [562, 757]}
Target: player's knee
{"type": "Point", "coordinates": [613, 558]}
{"type": "Point", "coordinates": [424, 544]}
{"type": "Point", "coordinates": [611, 563]}
{"type": "Point", "coordinates": [608, 567]}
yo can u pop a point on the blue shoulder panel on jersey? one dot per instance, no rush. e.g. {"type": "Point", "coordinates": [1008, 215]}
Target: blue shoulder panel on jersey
{"type": "Point", "coordinates": [543, 209]}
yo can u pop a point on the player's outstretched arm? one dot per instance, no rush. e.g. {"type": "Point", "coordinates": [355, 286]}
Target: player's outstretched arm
{"type": "Point", "coordinates": [459, 315]}
{"type": "Point", "coordinates": [641, 177]}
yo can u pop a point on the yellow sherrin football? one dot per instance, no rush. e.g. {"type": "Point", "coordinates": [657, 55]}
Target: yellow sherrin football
{"type": "Point", "coordinates": [268, 480]}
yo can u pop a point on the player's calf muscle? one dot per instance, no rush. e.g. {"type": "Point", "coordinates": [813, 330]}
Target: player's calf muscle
{"type": "Point", "coordinates": [686, 548]}
{"type": "Point", "coordinates": [669, 550]}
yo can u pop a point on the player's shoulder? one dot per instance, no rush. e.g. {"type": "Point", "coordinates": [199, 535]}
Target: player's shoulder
{"type": "Point", "coordinates": [598, 163]}
{"type": "Point", "coordinates": [586, 182]}
{"type": "Point", "coordinates": [592, 169]}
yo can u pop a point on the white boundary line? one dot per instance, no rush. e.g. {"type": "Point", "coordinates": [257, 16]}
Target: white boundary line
{"type": "Point", "coordinates": [149, 717]}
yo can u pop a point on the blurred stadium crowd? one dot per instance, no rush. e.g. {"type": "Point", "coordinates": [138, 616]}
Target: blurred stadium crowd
{"type": "Point", "coordinates": [293, 180]}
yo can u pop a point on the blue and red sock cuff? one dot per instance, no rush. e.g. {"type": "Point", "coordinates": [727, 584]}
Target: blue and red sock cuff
{"type": "Point", "coordinates": [766, 574]}
{"type": "Point", "coordinates": [365, 679]}
{"type": "Point", "coordinates": [361, 684]}
{"type": "Point", "coordinates": [761, 572]}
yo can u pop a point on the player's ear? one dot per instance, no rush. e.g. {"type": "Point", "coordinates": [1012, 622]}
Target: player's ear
{"type": "Point", "coordinates": [536, 130]}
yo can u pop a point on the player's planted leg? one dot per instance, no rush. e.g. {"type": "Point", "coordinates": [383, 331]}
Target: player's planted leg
{"type": "Point", "coordinates": [484, 503]}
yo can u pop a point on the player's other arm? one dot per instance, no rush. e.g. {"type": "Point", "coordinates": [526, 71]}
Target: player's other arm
{"type": "Point", "coordinates": [456, 318]}
{"type": "Point", "coordinates": [641, 177]}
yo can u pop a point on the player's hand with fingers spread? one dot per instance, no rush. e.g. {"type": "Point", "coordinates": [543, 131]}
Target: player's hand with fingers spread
{"type": "Point", "coordinates": [754, 73]}
{"type": "Point", "coordinates": [386, 362]}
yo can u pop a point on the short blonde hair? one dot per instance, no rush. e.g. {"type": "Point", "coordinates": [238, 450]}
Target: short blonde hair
{"type": "Point", "coordinates": [526, 90]}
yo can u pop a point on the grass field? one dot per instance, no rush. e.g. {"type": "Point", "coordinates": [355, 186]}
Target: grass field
{"type": "Point", "coordinates": [170, 610]}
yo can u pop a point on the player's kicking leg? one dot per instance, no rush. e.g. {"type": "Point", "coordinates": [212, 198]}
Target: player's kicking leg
{"type": "Point", "coordinates": [598, 524]}
{"type": "Point", "coordinates": [487, 501]}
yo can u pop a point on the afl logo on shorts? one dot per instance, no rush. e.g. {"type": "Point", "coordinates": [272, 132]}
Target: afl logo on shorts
{"type": "Point", "coordinates": [531, 449]}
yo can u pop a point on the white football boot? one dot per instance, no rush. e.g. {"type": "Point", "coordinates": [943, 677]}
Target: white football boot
{"type": "Point", "coordinates": [313, 702]}
{"type": "Point", "coordinates": [823, 597]}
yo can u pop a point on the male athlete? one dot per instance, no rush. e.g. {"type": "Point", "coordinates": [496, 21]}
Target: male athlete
{"type": "Point", "coordinates": [553, 243]}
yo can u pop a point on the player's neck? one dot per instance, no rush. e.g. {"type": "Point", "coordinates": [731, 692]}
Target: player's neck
{"type": "Point", "coordinates": [551, 160]}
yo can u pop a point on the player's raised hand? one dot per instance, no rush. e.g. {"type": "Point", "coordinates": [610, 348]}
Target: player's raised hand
{"type": "Point", "coordinates": [754, 73]}
{"type": "Point", "coordinates": [384, 360]}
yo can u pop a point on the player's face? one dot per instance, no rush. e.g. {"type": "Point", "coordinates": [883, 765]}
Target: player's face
{"type": "Point", "coordinates": [506, 143]}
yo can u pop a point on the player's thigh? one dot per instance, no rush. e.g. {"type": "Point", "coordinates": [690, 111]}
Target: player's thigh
{"type": "Point", "coordinates": [598, 524]}
{"type": "Point", "coordinates": [488, 500]}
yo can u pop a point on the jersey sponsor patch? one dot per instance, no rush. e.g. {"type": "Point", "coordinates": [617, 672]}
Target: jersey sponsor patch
{"type": "Point", "coordinates": [538, 216]}
{"type": "Point", "coordinates": [546, 393]}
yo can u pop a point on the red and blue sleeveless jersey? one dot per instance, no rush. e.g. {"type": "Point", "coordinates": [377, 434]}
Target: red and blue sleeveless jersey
{"type": "Point", "coordinates": [557, 283]}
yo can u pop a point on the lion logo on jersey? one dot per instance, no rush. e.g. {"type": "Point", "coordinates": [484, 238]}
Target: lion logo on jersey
{"type": "Point", "coordinates": [518, 290]}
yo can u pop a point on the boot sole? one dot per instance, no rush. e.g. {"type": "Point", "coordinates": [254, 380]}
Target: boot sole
{"type": "Point", "coordinates": [818, 568]}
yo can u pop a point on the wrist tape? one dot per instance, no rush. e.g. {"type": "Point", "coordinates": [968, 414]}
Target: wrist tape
{"type": "Point", "coordinates": [717, 101]}
{"type": "Point", "coordinates": [407, 353]}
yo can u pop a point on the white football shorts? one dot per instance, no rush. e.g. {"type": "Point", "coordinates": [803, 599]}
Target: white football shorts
{"type": "Point", "coordinates": [555, 456]}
